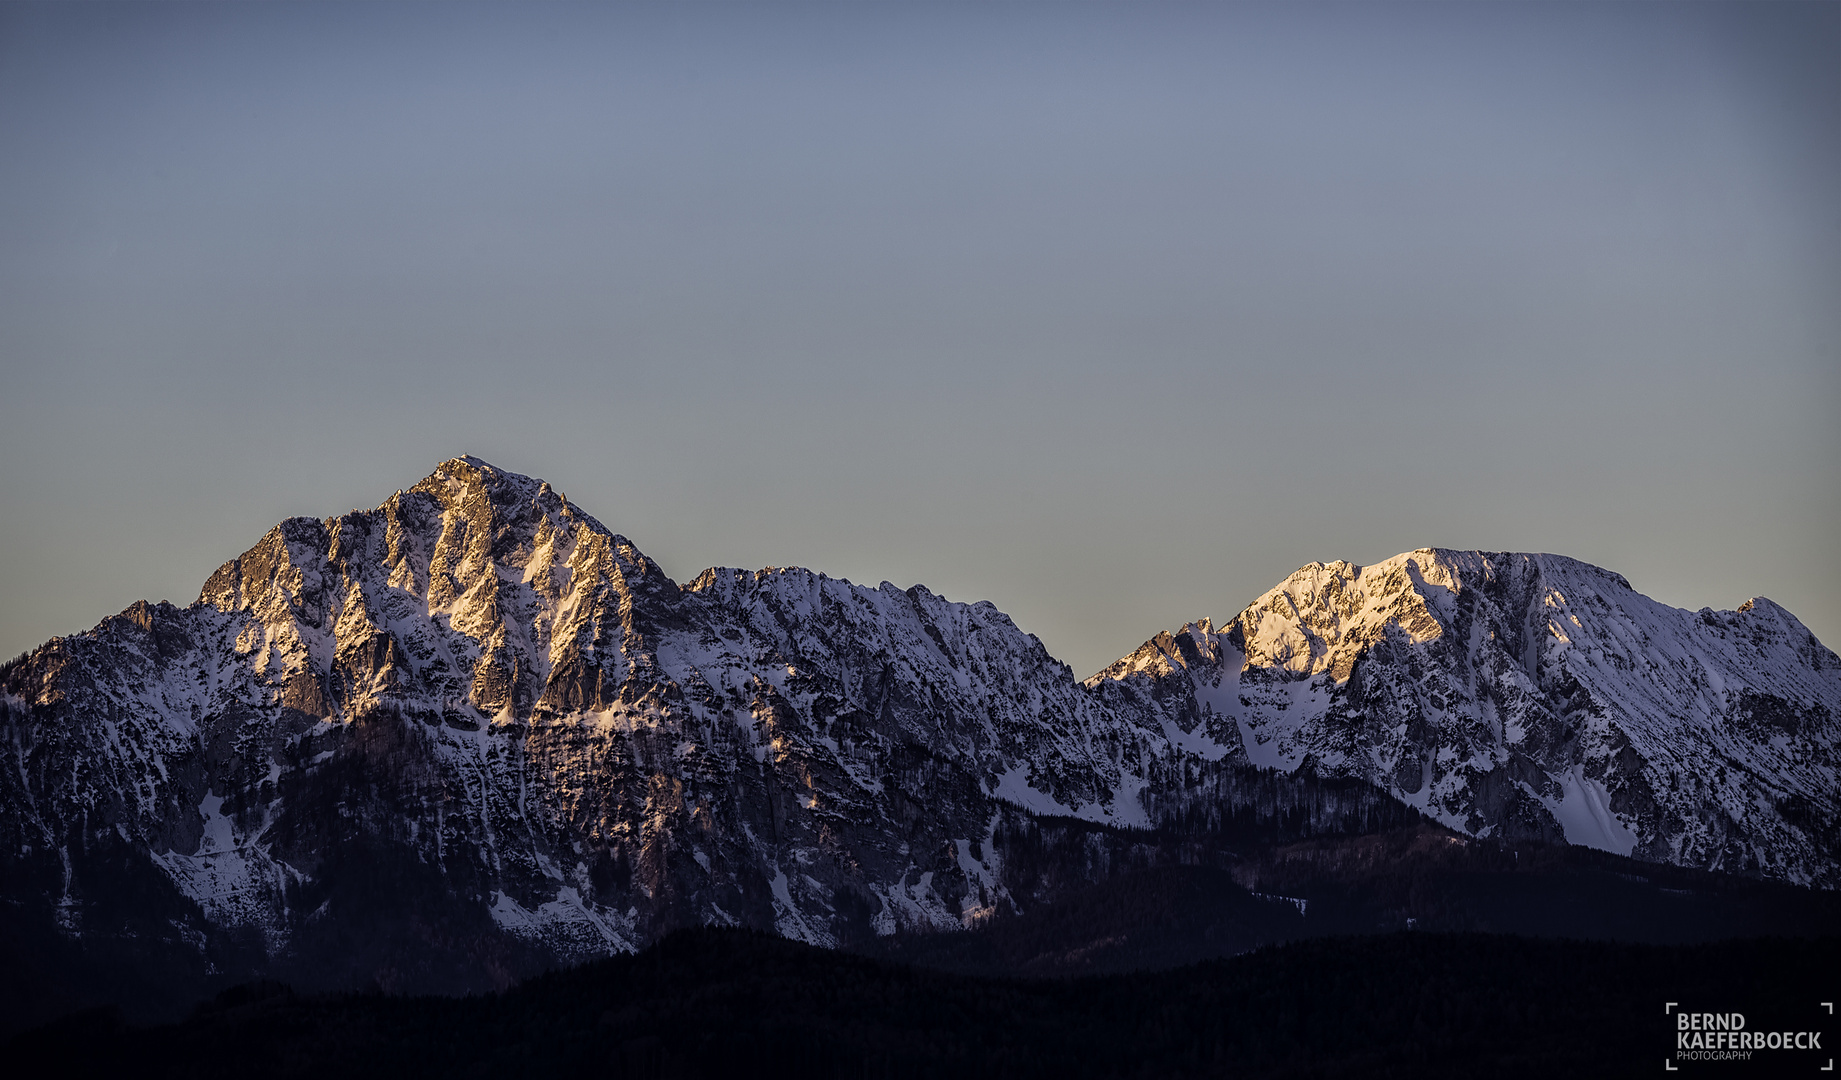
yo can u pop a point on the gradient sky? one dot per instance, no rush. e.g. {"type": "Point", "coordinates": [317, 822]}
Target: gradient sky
{"type": "Point", "coordinates": [1112, 315]}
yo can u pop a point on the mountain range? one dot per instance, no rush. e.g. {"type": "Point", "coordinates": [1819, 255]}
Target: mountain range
{"type": "Point", "coordinates": [472, 733]}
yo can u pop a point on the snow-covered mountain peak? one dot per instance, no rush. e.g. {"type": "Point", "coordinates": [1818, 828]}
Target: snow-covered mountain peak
{"type": "Point", "coordinates": [1516, 693]}
{"type": "Point", "coordinates": [1765, 620]}
{"type": "Point", "coordinates": [490, 497]}
{"type": "Point", "coordinates": [779, 732]}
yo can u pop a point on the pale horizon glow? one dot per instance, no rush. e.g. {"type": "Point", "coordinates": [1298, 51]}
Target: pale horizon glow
{"type": "Point", "coordinates": [1113, 315]}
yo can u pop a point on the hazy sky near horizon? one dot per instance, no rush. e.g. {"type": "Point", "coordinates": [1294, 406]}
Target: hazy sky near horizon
{"type": "Point", "coordinates": [1113, 315]}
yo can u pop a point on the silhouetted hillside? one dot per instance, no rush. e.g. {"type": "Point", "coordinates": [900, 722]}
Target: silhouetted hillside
{"type": "Point", "coordinates": [728, 1003]}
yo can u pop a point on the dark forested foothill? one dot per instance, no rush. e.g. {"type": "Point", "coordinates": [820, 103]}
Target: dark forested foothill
{"type": "Point", "coordinates": [711, 1003]}
{"type": "Point", "coordinates": [1145, 901]}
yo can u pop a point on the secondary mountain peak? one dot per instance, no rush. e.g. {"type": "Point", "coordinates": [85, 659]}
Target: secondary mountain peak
{"type": "Point", "coordinates": [1513, 694]}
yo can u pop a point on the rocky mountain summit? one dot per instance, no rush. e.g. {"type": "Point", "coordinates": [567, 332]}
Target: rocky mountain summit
{"type": "Point", "coordinates": [1523, 696]}
{"type": "Point", "coordinates": [472, 732]}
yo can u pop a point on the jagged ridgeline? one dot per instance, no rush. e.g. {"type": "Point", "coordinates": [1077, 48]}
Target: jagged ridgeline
{"type": "Point", "coordinates": [472, 733]}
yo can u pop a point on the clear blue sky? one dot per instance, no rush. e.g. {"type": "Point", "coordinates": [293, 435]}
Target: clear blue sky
{"type": "Point", "coordinates": [1112, 315]}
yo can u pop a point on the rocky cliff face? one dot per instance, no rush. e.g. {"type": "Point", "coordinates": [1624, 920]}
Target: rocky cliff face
{"type": "Point", "coordinates": [472, 732]}
{"type": "Point", "coordinates": [1519, 695]}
